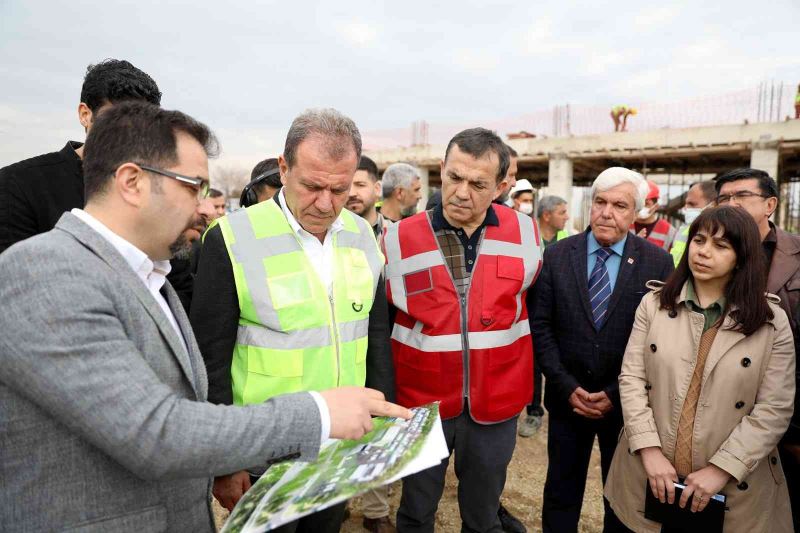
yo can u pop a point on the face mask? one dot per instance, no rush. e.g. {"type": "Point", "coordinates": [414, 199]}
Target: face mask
{"type": "Point", "coordinates": [526, 208]}
{"type": "Point", "coordinates": [644, 212]}
{"type": "Point", "coordinates": [691, 213]}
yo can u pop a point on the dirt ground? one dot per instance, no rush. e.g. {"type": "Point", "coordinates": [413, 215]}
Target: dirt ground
{"type": "Point", "coordinates": [522, 496]}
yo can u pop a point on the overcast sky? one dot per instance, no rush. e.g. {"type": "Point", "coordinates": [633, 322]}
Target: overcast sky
{"type": "Point", "coordinates": [247, 68]}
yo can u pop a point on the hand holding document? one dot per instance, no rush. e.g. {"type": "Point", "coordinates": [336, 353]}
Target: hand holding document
{"type": "Point", "coordinates": [395, 448]}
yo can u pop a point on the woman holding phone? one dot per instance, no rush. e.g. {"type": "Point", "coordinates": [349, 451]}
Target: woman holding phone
{"type": "Point", "coordinates": [707, 385]}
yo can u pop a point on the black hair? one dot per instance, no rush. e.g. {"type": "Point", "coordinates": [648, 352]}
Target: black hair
{"type": "Point", "coordinates": [511, 151]}
{"type": "Point", "coordinates": [767, 185]}
{"type": "Point", "coordinates": [113, 81]}
{"type": "Point", "coordinates": [368, 165]}
{"type": "Point", "coordinates": [262, 168]}
{"type": "Point", "coordinates": [137, 132]}
{"type": "Point", "coordinates": [708, 188]}
{"type": "Point", "coordinates": [214, 193]}
{"type": "Point", "coordinates": [747, 286]}
{"type": "Point", "coordinates": [477, 142]}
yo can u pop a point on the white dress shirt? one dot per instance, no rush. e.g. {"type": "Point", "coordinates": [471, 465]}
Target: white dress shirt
{"type": "Point", "coordinates": [152, 274]}
{"type": "Point", "coordinates": [320, 254]}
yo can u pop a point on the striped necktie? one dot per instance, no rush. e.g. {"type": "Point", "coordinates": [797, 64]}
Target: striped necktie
{"type": "Point", "coordinates": [600, 287]}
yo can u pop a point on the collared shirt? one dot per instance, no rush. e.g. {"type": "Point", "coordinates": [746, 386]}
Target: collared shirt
{"type": "Point", "coordinates": [711, 314]}
{"type": "Point", "coordinates": [320, 254]}
{"type": "Point", "coordinates": [152, 273]}
{"type": "Point", "coordinates": [613, 261]}
{"type": "Point", "coordinates": [380, 223]}
{"type": "Point", "coordinates": [459, 250]}
{"type": "Point", "coordinates": [768, 245]}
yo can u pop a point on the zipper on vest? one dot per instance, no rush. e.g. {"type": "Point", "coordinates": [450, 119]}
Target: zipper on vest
{"type": "Point", "coordinates": [335, 339]}
{"type": "Point", "coordinates": [465, 342]}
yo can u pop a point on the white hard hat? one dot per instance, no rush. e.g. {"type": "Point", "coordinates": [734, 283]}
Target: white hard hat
{"type": "Point", "coordinates": [522, 185]}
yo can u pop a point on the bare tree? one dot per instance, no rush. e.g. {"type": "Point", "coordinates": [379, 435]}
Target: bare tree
{"type": "Point", "coordinates": [230, 179]}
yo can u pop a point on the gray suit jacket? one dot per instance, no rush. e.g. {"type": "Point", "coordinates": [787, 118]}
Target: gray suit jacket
{"type": "Point", "coordinates": [103, 420]}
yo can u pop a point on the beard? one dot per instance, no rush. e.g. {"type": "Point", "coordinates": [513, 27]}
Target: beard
{"type": "Point", "coordinates": [408, 211]}
{"type": "Point", "coordinates": [358, 207]}
{"type": "Point", "coordinates": [181, 248]}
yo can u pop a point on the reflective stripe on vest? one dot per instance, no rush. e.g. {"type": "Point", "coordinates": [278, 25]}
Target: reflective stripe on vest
{"type": "Point", "coordinates": [449, 343]}
{"type": "Point", "coordinates": [662, 234]}
{"type": "Point", "coordinates": [292, 334]}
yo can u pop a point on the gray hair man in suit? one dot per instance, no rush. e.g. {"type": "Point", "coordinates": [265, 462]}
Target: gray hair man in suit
{"type": "Point", "coordinates": [585, 300]}
{"type": "Point", "coordinates": [104, 424]}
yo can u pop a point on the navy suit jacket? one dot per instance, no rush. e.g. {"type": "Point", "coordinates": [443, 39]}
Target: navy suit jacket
{"type": "Point", "coordinates": [572, 352]}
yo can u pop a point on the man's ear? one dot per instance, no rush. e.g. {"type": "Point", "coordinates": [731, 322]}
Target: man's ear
{"type": "Point", "coordinates": [378, 188]}
{"type": "Point", "coordinates": [85, 116]}
{"type": "Point", "coordinates": [129, 183]}
{"type": "Point", "coordinates": [501, 188]}
{"type": "Point", "coordinates": [772, 205]}
{"type": "Point", "coordinates": [283, 166]}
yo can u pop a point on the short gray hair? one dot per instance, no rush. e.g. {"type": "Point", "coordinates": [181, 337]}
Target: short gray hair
{"type": "Point", "coordinates": [613, 176]}
{"type": "Point", "coordinates": [548, 203]}
{"type": "Point", "coordinates": [328, 123]}
{"type": "Point", "coordinates": [398, 175]}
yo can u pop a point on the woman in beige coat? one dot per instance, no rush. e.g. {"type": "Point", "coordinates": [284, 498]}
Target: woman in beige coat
{"type": "Point", "coordinates": [707, 385]}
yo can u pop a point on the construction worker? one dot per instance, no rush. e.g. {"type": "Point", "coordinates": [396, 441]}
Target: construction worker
{"type": "Point", "coordinates": [289, 295]}
{"type": "Point", "coordinates": [521, 197]}
{"type": "Point", "coordinates": [648, 225]}
{"type": "Point", "coordinates": [620, 114]}
{"type": "Point", "coordinates": [699, 196]}
{"type": "Point", "coordinates": [797, 103]}
{"type": "Point", "coordinates": [553, 215]}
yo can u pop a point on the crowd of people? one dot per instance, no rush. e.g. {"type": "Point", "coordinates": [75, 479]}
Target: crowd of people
{"type": "Point", "coordinates": [157, 349]}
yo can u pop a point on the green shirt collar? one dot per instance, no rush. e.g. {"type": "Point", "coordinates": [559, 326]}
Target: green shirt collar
{"type": "Point", "coordinates": [712, 313]}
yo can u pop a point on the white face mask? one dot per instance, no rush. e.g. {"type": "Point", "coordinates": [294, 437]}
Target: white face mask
{"type": "Point", "coordinates": [691, 213]}
{"type": "Point", "coordinates": [645, 212]}
{"type": "Point", "coordinates": [526, 208]}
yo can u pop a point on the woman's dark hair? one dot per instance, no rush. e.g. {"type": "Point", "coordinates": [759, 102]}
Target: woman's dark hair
{"type": "Point", "coordinates": [746, 288]}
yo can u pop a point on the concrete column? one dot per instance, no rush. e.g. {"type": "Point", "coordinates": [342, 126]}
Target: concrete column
{"type": "Point", "coordinates": [424, 178]}
{"type": "Point", "coordinates": [559, 176]}
{"type": "Point", "coordinates": [765, 156]}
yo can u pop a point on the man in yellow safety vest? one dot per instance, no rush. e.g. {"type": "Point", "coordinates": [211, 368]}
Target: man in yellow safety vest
{"type": "Point", "coordinates": [289, 293]}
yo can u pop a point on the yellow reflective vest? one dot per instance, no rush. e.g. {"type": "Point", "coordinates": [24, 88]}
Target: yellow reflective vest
{"type": "Point", "coordinates": [294, 335]}
{"type": "Point", "coordinates": [679, 244]}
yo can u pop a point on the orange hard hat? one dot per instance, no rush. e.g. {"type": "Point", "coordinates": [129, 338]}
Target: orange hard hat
{"type": "Point", "coordinates": [652, 190]}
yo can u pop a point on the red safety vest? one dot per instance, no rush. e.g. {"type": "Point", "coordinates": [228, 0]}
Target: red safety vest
{"type": "Point", "coordinates": [437, 334]}
{"type": "Point", "coordinates": [662, 234]}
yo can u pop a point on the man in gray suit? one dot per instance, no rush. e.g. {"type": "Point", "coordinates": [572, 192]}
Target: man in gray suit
{"type": "Point", "coordinates": [103, 420]}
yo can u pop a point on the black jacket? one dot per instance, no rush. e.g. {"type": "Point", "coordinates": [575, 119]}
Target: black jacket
{"type": "Point", "coordinates": [569, 349]}
{"type": "Point", "coordinates": [34, 193]}
{"type": "Point", "coordinates": [215, 317]}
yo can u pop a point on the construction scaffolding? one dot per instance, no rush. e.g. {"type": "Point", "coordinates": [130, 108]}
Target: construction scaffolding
{"type": "Point", "coordinates": [768, 102]}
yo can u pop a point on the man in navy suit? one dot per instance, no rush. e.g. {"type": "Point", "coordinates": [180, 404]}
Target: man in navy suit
{"type": "Point", "coordinates": [586, 298]}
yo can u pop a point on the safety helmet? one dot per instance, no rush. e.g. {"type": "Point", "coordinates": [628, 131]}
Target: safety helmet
{"type": "Point", "coordinates": [652, 190]}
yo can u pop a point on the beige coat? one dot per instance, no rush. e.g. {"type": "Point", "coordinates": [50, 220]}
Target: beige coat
{"type": "Point", "coordinates": [745, 404]}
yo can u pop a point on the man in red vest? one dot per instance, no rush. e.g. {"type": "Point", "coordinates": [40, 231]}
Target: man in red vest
{"type": "Point", "coordinates": [649, 226]}
{"type": "Point", "coordinates": [458, 276]}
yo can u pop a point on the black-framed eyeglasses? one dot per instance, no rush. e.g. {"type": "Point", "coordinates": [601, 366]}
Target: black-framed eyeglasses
{"type": "Point", "coordinates": [202, 186]}
{"type": "Point", "coordinates": [738, 196]}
